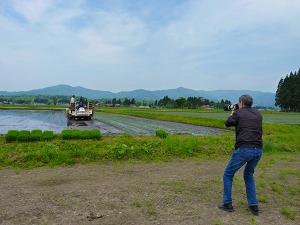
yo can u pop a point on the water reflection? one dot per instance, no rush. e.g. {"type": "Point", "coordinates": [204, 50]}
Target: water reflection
{"type": "Point", "coordinates": [32, 119]}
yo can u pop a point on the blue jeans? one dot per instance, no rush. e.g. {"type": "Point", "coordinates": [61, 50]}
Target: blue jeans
{"type": "Point", "coordinates": [241, 156]}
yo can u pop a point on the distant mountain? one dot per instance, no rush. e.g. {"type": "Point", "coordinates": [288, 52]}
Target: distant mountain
{"type": "Point", "coordinates": [266, 99]}
{"type": "Point", "coordinates": [260, 98]}
{"type": "Point", "coordinates": [63, 90]}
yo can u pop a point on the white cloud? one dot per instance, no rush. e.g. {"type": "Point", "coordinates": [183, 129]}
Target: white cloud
{"type": "Point", "coordinates": [149, 42]}
{"type": "Point", "coordinates": [32, 10]}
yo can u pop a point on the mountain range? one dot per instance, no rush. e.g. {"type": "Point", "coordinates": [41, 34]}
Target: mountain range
{"type": "Point", "coordinates": [264, 99]}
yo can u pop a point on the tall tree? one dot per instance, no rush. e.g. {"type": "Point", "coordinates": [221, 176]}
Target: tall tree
{"type": "Point", "coordinates": [54, 99]}
{"type": "Point", "coordinates": [288, 93]}
{"type": "Point", "coordinates": [164, 101]}
{"type": "Point", "coordinates": [181, 102]}
{"type": "Point", "coordinates": [114, 101]}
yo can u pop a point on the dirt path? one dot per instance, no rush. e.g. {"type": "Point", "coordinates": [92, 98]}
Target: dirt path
{"type": "Point", "coordinates": [181, 192]}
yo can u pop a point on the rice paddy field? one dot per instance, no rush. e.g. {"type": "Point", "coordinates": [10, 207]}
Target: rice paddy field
{"type": "Point", "coordinates": [107, 123]}
{"type": "Point", "coordinates": [268, 115]}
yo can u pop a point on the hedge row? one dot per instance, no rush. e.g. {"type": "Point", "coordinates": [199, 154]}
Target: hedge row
{"type": "Point", "coordinates": [26, 135]}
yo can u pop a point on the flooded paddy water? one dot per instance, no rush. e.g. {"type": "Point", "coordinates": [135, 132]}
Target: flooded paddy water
{"type": "Point", "coordinates": [32, 119]}
{"type": "Point", "coordinates": [142, 126]}
{"type": "Point", "coordinates": [47, 120]}
{"type": "Point", "coordinates": [105, 122]}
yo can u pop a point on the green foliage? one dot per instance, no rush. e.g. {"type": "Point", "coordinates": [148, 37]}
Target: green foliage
{"type": "Point", "coordinates": [36, 135]}
{"type": "Point", "coordinates": [67, 134]}
{"type": "Point", "coordinates": [81, 134]}
{"type": "Point", "coordinates": [161, 133]}
{"type": "Point", "coordinates": [54, 100]}
{"type": "Point", "coordinates": [281, 138]}
{"type": "Point", "coordinates": [262, 184]}
{"type": "Point", "coordinates": [119, 147]}
{"type": "Point", "coordinates": [276, 188]}
{"type": "Point", "coordinates": [47, 135]}
{"type": "Point", "coordinates": [252, 220]}
{"type": "Point", "coordinates": [182, 146]}
{"type": "Point", "coordinates": [24, 135]}
{"type": "Point", "coordinates": [287, 212]}
{"type": "Point", "coordinates": [27, 136]}
{"type": "Point", "coordinates": [288, 93]}
{"type": "Point", "coordinates": [137, 204]}
{"type": "Point", "coordinates": [77, 134]}
{"type": "Point", "coordinates": [120, 151]}
{"type": "Point", "coordinates": [37, 100]}
{"type": "Point", "coordinates": [12, 135]}
{"type": "Point", "coordinates": [294, 191]}
{"type": "Point", "coordinates": [268, 147]}
{"type": "Point", "coordinates": [95, 134]}
{"type": "Point", "coordinates": [262, 198]}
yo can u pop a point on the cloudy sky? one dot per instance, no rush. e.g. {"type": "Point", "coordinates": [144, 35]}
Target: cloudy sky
{"type": "Point", "coordinates": [123, 45]}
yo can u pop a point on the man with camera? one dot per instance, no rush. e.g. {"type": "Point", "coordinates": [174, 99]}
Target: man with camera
{"type": "Point", "coordinates": [248, 151]}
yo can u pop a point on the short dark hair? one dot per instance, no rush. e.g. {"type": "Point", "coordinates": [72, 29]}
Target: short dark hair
{"type": "Point", "coordinates": [247, 100]}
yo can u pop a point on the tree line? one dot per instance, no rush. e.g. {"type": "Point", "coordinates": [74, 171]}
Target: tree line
{"type": "Point", "coordinates": [288, 93]}
{"type": "Point", "coordinates": [181, 102]}
{"type": "Point", "coordinates": [38, 99]}
{"type": "Point", "coordinates": [35, 99]}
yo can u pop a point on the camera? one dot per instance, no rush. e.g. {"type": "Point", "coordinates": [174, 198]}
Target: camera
{"type": "Point", "coordinates": [231, 107]}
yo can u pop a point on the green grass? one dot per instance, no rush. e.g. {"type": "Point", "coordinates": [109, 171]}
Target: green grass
{"type": "Point", "coordinates": [121, 147]}
{"type": "Point", "coordinates": [161, 133]}
{"type": "Point", "coordinates": [276, 188]}
{"type": "Point", "coordinates": [277, 138]}
{"type": "Point", "coordinates": [278, 182]}
{"type": "Point", "coordinates": [137, 204]}
{"type": "Point", "coordinates": [287, 212]}
{"type": "Point", "coordinates": [81, 134]}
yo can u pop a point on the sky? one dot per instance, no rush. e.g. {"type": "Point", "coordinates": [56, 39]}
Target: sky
{"type": "Point", "coordinates": [124, 45]}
